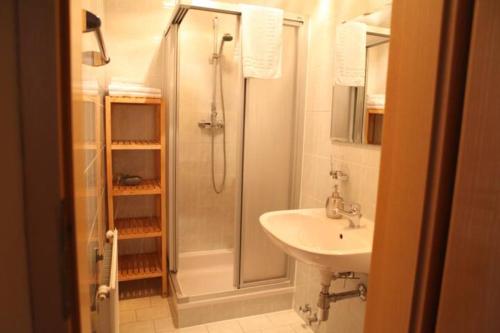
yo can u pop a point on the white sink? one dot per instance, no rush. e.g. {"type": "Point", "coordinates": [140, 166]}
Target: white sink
{"type": "Point", "coordinates": [311, 237]}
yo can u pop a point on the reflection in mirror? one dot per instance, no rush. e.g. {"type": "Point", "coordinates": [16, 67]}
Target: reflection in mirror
{"type": "Point", "coordinates": [358, 99]}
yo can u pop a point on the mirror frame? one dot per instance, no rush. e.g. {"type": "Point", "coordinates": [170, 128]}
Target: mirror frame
{"type": "Point", "coordinates": [356, 109]}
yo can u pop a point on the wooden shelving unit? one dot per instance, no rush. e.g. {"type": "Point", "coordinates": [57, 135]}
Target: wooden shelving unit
{"type": "Point", "coordinates": [373, 129]}
{"type": "Point", "coordinates": [149, 265]}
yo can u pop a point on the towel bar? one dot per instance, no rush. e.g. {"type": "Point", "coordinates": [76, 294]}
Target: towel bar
{"type": "Point", "coordinates": [93, 58]}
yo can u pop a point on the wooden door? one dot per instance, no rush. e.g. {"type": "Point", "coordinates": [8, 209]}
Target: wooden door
{"type": "Point", "coordinates": [470, 292]}
{"type": "Point", "coordinates": [43, 76]}
{"type": "Point", "coordinates": [426, 82]}
{"type": "Point", "coordinates": [14, 279]}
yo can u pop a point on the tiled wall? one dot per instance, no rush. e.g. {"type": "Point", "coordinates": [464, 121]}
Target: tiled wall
{"type": "Point", "coordinates": [361, 163]}
{"type": "Point", "coordinates": [205, 218]}
{"type": "Point", "coordinates": [134, 30]}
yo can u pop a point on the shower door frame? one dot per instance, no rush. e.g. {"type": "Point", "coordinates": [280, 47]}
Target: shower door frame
{"type": "Point", "coordinates": [297, 151]}
{"type": "Point", "coordinates": [302, 26]}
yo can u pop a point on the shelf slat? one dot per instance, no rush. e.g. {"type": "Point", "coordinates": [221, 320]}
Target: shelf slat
{"type": "Point", "coordinates": [134, 100]}
{"type": "Point", "coordinates": [375, 111]}
{"type": "Point", "coordinates": [139, 266]}
{"type": "Point", "coordinates": [138, 227]}
{"type": "Point", "coordinates": [135, 145]}
{"type": "Point", "coordinates": [146, 187]}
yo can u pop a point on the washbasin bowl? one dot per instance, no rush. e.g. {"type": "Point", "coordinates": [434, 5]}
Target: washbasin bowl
{"type": "Point", "coordinates": [310, 236]}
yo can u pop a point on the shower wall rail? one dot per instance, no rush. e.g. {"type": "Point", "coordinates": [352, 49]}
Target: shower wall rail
{"type": "Point", "coordinates": [183, 6]}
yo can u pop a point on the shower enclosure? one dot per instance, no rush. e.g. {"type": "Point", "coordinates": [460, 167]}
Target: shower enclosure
{"type": "Point", "coordinates": [234, 153]}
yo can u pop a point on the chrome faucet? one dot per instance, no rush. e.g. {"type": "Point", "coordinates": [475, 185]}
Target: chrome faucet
{"type": "Point", "coordinates": [336, 206]}
{"type": "Point", "coordinates": [353, 215]}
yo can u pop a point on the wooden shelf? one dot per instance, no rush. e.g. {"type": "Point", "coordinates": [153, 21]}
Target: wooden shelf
{"type": "Point", "coordinates": [375, 111]}
{"type": "Point", "coordinates": [140, 288]}
{"type": "Point", "coordinates": [135, 145]}
{"type": "Point", "coordinates": [139, 266]}
{"type": "Point", "coordinates": [133, 100]}
{"type": "Point", "coordinates": [138, 227]}
{"type": "Point", "coordinates": [146, 187]}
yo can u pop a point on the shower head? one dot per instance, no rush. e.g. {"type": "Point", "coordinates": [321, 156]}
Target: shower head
{"type": "Point", "coordinates": [227, 38]}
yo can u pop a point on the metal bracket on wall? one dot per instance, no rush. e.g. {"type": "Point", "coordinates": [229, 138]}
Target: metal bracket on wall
{"type": "Point", "coordinates": [93, 58]}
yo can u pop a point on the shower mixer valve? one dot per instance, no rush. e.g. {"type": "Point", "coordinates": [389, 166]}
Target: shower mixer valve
{"type": "Point", "coordinates": [207, 124]}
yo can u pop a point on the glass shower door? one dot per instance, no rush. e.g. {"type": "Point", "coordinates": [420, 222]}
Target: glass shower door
{"type": "Point", "coordinates": [268, 184]}
{"type": "Point", "coordinates": [205, 219]}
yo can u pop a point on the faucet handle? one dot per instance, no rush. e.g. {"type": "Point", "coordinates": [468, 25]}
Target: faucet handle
{"type": "Point", "coordinates": [352, 207]}
{"type": "Point", "coordinates": [305, 309]}
{"type": "Point", "coordinates": [346, 276]}
{"type": "Point", "coordinates": [339, 175]}
{"type": "Point", "coordinates": [356, 208]}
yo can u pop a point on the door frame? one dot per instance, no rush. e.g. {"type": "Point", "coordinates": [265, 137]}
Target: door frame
{"type": "Point", "coordinates": [44, 72]}
{"type": "Point", "coordinates": [470, 297]}
{"type": "Point", "coordinates": [426, 82]}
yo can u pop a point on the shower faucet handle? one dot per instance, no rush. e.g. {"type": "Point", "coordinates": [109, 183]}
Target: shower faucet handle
{"type": "Point", "coordinates": [306, 308]}
{"type": "Point", "coordinates": [339, 175]}
{"type": "Point", "coordinates": [207, 124]}
{"type": "Point", "coordinates": [204, 124]}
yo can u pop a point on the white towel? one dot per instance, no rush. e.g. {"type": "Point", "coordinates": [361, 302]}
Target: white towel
{"type": "Point", "coordinates": [131, 89]}
{"type": "Point", "coordinates": [375, 101]}
{"type": "Point", "coordinates": [350, 54]}
{"type": "Point", "coordinates": [262, 39]}
{"type": "Point", "coordinates": [133, 94]}
{"type": "Point", "coordinates": [90, 87]}
{"type": "Point", "coordinates": [138, 89]}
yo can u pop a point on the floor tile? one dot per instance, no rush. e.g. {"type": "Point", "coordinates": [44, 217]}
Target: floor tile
{"type": "Point", "coordinates": [127, 316]}
{"type": "Point", "coordinates": [279, 329]}
{"type": "Point", "coordinates": [138, 327]}
{"type": "Point", "coordinates": [193, 329]}
{"type": "Point", "coordinates": [227, 326]}
{"type": "Point", "coordinates": [164, 325]}
{"type": "Point", "coordinates": [159, 301]}
{"type": "Point", "coordinates": [283, 318]}
{"type": "Point", "coordinates": [134, 303]}
{"type": "Point", "coordinates": [301, 328]}
{"type": "Point", "coordinates": [254, 323]}
{"type": "Point", "coordinates": [152, 313]}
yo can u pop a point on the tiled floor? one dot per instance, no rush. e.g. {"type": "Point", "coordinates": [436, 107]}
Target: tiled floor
{"type": "Point", "coordinates": [152, 315]}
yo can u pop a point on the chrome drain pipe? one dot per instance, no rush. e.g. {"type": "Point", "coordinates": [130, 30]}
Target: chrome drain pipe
{"type": "Point", "coordinates": [325, 298]}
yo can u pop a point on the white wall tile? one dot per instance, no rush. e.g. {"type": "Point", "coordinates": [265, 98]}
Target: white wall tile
{"type": "Point", "coordinates": [361, 163]}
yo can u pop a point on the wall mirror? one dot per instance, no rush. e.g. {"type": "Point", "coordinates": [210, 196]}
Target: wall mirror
{"type": "Point", "coordinates": [358, 105]}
